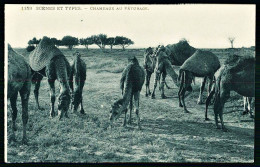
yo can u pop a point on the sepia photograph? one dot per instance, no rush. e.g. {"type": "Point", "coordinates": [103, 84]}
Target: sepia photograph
{"type": "Point", "coordinates": [99, 83]}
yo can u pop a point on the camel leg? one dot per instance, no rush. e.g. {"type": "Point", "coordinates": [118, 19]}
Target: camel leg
{"type": "Point", "coordinates": [36, 89]}
{"type": "Point", "coordinates": [13, 100]}
{"type": "Point", "coordinates": [157, 78]}
{"type": "Point", "coordinates": [249, 107]}
{"type": "Point", "coordinates": [147, 83]}
{"type": "Point", "coordinates": [201, 90]}
{"type": "Point", "coordinates": [81, 98]}
{"type": "Point", "coordinates": [181, 88]}
{"type": "Point", "coordinates": [77, 99]}
{"type": "Point", "coordinates": [131, 108]}
{"type": "Point", "coordinates": [179, 95]}
{"type": "Point", "coordinates": [162, 85]}
{"type": "Point", "coordinates": [52, 95]}
{"type": "Point", "coordinates": [25, 93]}
{"type": "Point", "coordinates": [124, 124]}
{"type": "Point", "coordinates": [72, 91]}
{"type": "Point", "coordinates": [207, 104]}
{"type": "Point", "coordinates": [183, 101]}
{"type": "Point", "coordinates": [185, 85]}
{"type": "Point", "coordinates": [210, 83]}
{"type": "Point", "coordinates": [245, 99]}
{"type": "Point", "coordinates": [136, 99]}
{"type": "Point", "coordinates": [219, 105]}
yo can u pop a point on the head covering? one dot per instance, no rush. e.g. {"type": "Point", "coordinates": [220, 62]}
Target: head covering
{"type": "Point", "coordinates": [42, 54]}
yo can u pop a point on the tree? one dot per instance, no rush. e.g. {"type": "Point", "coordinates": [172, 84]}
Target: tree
{"type": "Point", "coordinates": [100, 40]}
{"type": "Point", "coordinates": [34, 41]}
{"type": "Point", "coordinates": [30, 42]}
{"type": "Point", "coordinates": [70, 41]}
{"type": "Point", "coordinates": [123, 41]}
{"type": "Point", "coordinates": [231, 40]}
{"type": "Point", "coordinates": [54, 40]}
{"type": "Point", "coordinates": [59, 43]}
{"type": "Point", "coordinates": [110, 41]}
{"type": "Point", "coordinates": [86, 41]}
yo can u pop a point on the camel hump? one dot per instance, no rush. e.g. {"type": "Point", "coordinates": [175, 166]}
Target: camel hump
{"type": "Point", "coordinates": [201, 63]}
{"type": "Point", "coordinates": [244, 63]}
{"type": "Point", "coordinates": [43, 53]}
{"type": "Point", "coordinates": [179, 52]}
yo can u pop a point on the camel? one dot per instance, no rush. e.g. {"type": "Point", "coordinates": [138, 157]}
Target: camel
{"type": "Point", "coordinates": [149, 65]}
{"type": "Point", "coordinates": [19, 80]}
{"type": "Point", "coordinates": [230, 62]}
{"type": "Point", "coordinates": [176, 54]}
{"type": "Point", "coordinates": [200, 64]}
{"type": "Point", "coordinates": [48, 61]}
{"type": "Point", "coordinates": [239, 78]}
{"type": "Point", "coordinates": [79, 76]}
{"type": "Point", "coordinates": [133, 77]}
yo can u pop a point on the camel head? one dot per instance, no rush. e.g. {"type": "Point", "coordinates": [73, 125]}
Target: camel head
{"type": "Point", "coordinates": [160, 57]}
{"type": "Point", "coordinates": [77, 54]}
{"type": "Point", "coordinates": [149, 59]}
{"type": "Point", "coordinates": [116, 111]}
{"type": "Point", "coordinates": [63, 104]}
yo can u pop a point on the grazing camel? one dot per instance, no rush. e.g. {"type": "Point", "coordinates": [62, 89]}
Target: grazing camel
{"type": "Point", "coordinates": [49, 61]}
{"type": "Point", "coordinates": [78, 71]}
{"type": "Point", "coordinates": [239, 78]}
{"type": "Point", "coordinates": [133, 77]}
{"type": "Point", "coordinates": [176, 54]}
{"type": "Point", "coordinates": [149, 65]}
{"type": "Point", "coordinates": [200, 64]}
{"type": "Point", "coordinates": [19, 80]}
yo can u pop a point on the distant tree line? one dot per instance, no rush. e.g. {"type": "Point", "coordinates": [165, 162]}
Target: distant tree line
{"type": "Point", "coordinates": [101, 40]}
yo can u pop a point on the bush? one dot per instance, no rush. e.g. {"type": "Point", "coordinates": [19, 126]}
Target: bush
{"type": "Point", "coordinates": [30, 48]}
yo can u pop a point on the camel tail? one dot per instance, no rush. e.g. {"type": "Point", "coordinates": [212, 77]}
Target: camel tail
{"type": "Point", "coordinates": [217, 93]}
{"type": "Point", "coordinates": [179, 77]}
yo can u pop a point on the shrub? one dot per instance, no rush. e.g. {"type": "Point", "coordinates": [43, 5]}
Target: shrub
{"type": "Point", "coordinates": [30, 48]}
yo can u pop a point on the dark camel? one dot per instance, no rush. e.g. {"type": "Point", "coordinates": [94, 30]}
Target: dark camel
{"type": "Point", "coordinates": [177, 54]}
{"type": "Point", "coordinates": [133, 77]}
{"type": "Point", "coordinates": [19, 80]}
{"type": "Point", "coordinates": [149, 66]}
{"type": "Point", "coordinates": [239, 78]}
{"type": "Point", "coordinates": [78, 70]}
{"type": "Point", "coordinates": [48, 61]}
{"type": "Point", "coordinates": [200, 64]}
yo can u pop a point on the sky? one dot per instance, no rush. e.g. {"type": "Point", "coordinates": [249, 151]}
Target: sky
{"type": "Point", "coordinates": [203, 25]}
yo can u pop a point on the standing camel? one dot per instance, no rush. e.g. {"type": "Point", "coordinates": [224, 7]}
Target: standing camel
{"type": "Point", "coordinates": [239, 78]}
{"type": "Point", "coordinates": [19, 80]}
{"type": "Point", "coordinates": [175, 54]}
{"type": "Point", "coordinates": [133, 77]}
{"type": "Point", "coordinates": [49, 61]}
{"type": "Point", "coordinates": [149, 65]}
{"type": "Point", "coordinates": [200, 64]}
{"type": "Point", "coordinates": [78, 71]}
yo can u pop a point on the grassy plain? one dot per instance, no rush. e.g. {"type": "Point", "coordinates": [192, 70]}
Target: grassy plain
{"type": "Point", "coordinates": [168, 134]}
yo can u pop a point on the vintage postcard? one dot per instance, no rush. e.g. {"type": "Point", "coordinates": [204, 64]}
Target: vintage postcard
{"type": "Point", "coordinates": [129, 83]}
